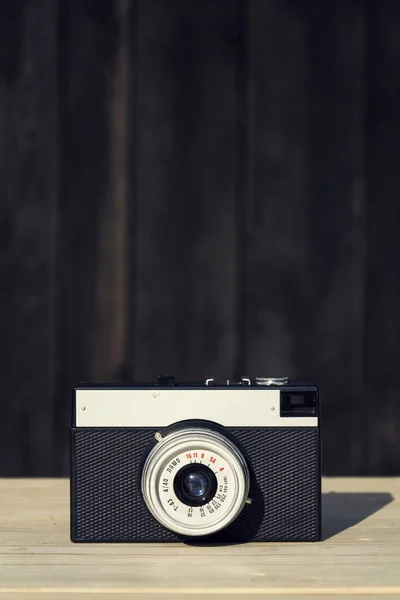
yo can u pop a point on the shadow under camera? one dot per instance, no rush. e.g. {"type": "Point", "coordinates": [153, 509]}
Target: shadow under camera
{"type": "Point", "coordinates": [340, 511]}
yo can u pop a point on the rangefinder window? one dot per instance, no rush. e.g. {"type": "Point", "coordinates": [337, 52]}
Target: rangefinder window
{"type": "Point", "coordinates": [298, 404]}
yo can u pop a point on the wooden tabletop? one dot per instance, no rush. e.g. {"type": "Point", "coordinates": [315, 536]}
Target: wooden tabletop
{"type": "Point", "coordinates": [358, 557]}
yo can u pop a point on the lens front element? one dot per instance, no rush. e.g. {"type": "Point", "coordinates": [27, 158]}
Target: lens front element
{"type": "Point", "coordinates": [195, 485]}
{"type": "Point", "coordinates": [195, 482]}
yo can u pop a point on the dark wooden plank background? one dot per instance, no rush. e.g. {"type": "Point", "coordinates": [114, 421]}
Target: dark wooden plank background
{"type": "Point", "coordinates": [205, 187]}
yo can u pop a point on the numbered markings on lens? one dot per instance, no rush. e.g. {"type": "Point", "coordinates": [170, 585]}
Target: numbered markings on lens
{"type": "Point", "coordinates": [172, 504]}
{"type": "Point", "coordinates": [209, 511]}
{"type": "Point", "coordinates": [166, 473]}
{"type": "Point", "coordinates": [173, 464]}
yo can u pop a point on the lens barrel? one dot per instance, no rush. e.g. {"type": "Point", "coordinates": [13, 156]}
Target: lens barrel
{"type": "Point", "coordinates": [195, 484]}
{"type": "Point", "coordinates": [195, 481]}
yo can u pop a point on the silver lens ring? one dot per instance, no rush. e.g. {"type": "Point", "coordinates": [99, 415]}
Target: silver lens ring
{"type": "Point", "coordinates": [185, 449]}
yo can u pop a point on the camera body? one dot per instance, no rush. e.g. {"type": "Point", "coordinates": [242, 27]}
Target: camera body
{"type": "Point", "coordinates": [171, 461]}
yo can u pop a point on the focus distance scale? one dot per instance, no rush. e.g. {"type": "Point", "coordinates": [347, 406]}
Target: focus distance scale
{"type": "Point", "coordinates": [195, 481]}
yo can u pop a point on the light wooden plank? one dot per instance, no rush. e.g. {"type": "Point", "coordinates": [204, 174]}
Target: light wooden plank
{"type": "Point", "coordinates": [195, 594]}
{"type": "Point", "coordinates": [149, 595]}
{"type": "Point", "coordinates": [360, 553]}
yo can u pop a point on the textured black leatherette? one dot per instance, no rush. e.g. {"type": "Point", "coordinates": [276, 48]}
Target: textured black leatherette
{"type": "Point", "coordinates": [106, 502]}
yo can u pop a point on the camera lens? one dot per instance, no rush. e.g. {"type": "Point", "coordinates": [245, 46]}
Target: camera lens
{"type": "Point", "coordinates": [195, 481]}
{"type": "Point", "coordinates": [195, 484]}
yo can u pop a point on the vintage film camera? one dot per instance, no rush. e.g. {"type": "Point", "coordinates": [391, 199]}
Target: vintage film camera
{"type": "Point", "coordinates": [210, 461]}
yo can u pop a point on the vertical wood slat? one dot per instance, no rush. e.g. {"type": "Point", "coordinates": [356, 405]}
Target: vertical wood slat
{"type": "Point", "coordinates": [110, 333]}
{"type": "Point", "coordinates": [28, 192]}
{"type": "Point", "coordinates": [306, 256]}
{"type": "Point", "coordinates": [383, 289]}
{"type": "Point", "coordinates": [184, 133]}
{"type": "Point", "coordinates": [93, 243]}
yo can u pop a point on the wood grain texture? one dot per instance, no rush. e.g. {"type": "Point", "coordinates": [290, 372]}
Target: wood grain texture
{"type": "Point", "coordinates": [110, 329]}
{"type": "Point", "coordinates": [208, 188]}
{"type": "Point", "coordinates": [91, 245]}
{"type": "Point", "coordinates": [184, 131]}
{"type": "Point", "coordinates": [29, 155]}
{"type": "Point", "coordinates": [360, 554]}
{"type": "Point", "coordinates": [149, 595]}
{"type": "Point", "coordinates": [305, 211]}
{"type": "Point", "coordinates": [383, 289]}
